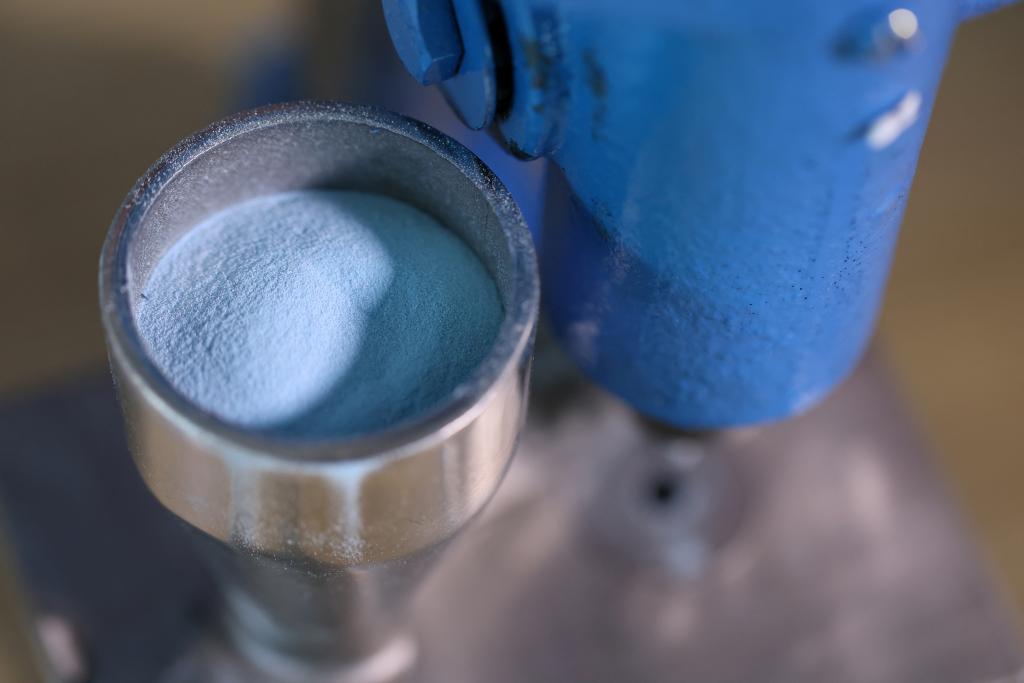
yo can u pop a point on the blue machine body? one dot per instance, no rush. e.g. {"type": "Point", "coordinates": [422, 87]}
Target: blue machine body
{"type": "Point", "coordinates": [727, 181]}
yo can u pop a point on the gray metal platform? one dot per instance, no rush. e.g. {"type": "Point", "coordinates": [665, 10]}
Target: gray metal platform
{"type": "Point", "coordinates": [823, 549]}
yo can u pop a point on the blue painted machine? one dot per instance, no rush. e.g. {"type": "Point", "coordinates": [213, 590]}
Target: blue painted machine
{"type": "Point", "coordinates": [727, 178]}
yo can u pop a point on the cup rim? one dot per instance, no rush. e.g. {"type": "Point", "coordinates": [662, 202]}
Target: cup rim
{"type": "Point", "coordinates": [510, 346]}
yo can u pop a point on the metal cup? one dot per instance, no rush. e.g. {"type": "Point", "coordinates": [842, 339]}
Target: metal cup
{"type": "Point", "coordinates": [319, 544]}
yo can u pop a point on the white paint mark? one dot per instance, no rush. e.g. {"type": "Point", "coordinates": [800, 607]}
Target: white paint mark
{"type": "Point", "coordinates": [884, 130]}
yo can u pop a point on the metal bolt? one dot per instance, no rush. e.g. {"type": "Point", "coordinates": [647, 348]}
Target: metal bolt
{"type": "Point", "coordinates": [902, 23]}
{"type": "Point", "coordinates": [426, 36]}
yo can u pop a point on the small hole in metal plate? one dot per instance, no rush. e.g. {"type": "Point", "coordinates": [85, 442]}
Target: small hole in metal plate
{"type": "Point", "coordinates": [665, 490]}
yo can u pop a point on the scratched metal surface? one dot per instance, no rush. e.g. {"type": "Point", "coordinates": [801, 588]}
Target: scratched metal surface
{"type": "Point", "coordinates": [847, 562]}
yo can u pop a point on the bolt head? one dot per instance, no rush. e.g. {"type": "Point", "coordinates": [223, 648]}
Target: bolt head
{"type": "Point", "coordinates": [426, 37]}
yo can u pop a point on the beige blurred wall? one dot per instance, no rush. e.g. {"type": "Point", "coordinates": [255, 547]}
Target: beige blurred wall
{"type": "Point", "coordinates": [953, 322]}
{"type": "Point", "coordinates": [95, 91]}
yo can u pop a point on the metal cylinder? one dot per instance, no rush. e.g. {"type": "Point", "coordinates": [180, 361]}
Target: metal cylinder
{"type": "Point", "coordinates": [319, 543]}
{"type": "Point", "coordinates": [732, 180]}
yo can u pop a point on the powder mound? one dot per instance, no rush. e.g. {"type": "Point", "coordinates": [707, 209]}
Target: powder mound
{"type": "Point", "coordinates": [319, 313]}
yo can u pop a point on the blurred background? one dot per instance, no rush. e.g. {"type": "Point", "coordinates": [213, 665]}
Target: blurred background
{"type": "Point", "coordinates": [94, 92]}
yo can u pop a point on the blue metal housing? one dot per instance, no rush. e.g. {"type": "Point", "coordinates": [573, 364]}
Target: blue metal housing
{"type": "Point", "coordinates": [727, 185]}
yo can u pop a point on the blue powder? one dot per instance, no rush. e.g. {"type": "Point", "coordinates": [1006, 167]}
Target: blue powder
{"type": "Point", "coordinates": [319, 313]}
